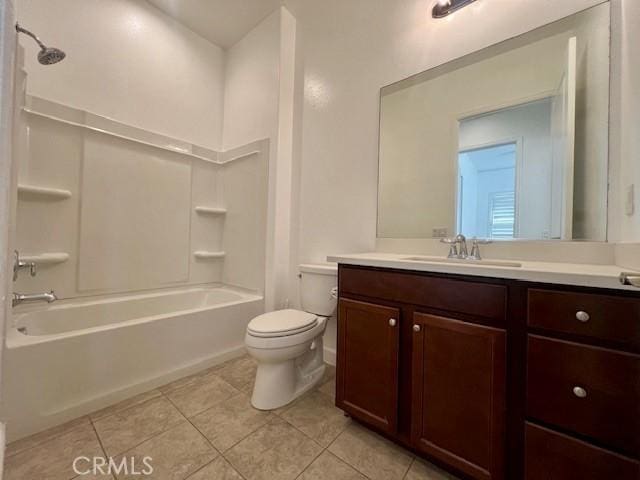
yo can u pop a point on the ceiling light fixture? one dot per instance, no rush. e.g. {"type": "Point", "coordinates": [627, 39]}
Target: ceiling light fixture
{"type": "Point", "coordinates": [446, 7]}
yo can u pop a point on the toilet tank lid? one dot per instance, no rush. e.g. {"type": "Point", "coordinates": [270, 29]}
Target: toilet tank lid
{"type": "Point", "coordinates": [319, 268]}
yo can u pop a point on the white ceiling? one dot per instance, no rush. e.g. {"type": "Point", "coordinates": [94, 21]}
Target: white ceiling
{"type": "Point", "coordinates": [222, 22]}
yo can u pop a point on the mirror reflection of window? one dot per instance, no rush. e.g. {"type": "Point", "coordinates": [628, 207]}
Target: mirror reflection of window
{"type": "Point", "coordinates": [487, 206]}
{"type": "Point", "coordinates": [506, 173]}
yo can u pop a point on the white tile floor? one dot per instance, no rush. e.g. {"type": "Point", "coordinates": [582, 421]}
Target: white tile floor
{"type": "Point", "coordinates": [203, 427]}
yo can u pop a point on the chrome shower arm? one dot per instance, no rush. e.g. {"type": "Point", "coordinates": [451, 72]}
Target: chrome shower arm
{"type": "Point", "coordinates": [31, 34]}
{"type": "Point", "coordinates": [47, 55]}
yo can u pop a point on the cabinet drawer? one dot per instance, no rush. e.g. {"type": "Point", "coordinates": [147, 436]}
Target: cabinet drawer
{"type": "Point", "coordinates": [602, 317]}
{"type": "Point", "coordinates": [588, 390]}
{"type": "Point", "coordinates": [460, 296]}
{"type": "Point", "coordinates": [552, 456]}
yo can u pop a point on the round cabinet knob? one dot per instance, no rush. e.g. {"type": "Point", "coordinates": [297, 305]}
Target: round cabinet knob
{"type": "Point", "coordinates": [416, 328]}
{"type": "Point", "coordinates": [582, 316]}
{"type": "Point", "coordinates": [579, 392]}
{"type": "Point", "coordinates": [393, 322]}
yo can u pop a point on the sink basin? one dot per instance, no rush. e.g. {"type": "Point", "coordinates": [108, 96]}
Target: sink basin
{"type": "Point", "coordinates": [488, 263]}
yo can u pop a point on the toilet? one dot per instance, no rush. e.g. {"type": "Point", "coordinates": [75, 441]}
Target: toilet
{"type": "Point", "coordinates": [287, 344]}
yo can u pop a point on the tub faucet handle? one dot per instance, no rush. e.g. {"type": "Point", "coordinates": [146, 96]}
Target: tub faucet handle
{"type": "Point", "coordinates": [19, 264]}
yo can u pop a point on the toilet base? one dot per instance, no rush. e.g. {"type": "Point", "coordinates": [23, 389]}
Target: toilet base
{"type": "Point", "coordinates": [278, 384]}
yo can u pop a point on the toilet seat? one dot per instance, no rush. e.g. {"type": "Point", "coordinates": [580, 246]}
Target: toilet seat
{"type": "Point", "coordinates": [281, 323]}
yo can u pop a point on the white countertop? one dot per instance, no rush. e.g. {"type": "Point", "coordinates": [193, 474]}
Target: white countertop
{"type": "Point", "coordinates": [597, 276]}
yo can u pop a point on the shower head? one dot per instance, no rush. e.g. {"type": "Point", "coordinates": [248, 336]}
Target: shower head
{"type": "Point", "coordinates": [50, 55]}
{"type": "Point", "coordinates": [46, 55]}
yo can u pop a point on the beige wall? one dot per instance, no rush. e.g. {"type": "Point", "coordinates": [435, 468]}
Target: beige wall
{"type": "Point", "coordinates": [117, 50]}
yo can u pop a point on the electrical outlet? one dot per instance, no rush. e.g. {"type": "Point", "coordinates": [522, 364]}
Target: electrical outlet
{"type": "Point", "coordinates": [439, 232]}
{"type": "Point", "coordinates": [630, 201]}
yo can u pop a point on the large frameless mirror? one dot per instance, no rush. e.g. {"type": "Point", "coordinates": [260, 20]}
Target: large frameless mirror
{"type": "Point", "coordinates": [510, 142]}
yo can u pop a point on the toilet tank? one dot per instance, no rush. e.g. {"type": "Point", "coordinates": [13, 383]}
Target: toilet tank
{"type": "Point", "coordinates": [319, 288]}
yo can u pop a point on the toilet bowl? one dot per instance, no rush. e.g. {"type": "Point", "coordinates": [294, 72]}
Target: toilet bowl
{"type": "Point", "coordinates": [287, 344]}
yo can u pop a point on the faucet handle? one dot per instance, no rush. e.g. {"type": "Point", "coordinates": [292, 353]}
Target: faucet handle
{"type": "Point", "coordinates": [453, 246]}
{"type": "Point", "coordinates": [449, 241]}
{"type": "Point", "coordinates": [481, 241]}
{"type": "Point", "coordinates": [20, 264]}
{"type": "Point", "coordinates": [475, 249]}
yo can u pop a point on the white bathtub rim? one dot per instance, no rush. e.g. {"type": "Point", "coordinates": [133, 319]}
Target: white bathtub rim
{"type": "Point", "coordinates": [15, 339]}
{"type": "Point", "coordinates": [100, 299]}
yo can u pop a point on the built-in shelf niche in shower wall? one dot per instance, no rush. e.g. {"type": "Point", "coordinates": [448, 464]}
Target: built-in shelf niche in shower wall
{"type": "Point", "coordinates": [139, 211]}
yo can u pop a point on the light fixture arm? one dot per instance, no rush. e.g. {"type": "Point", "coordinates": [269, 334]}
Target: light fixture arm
{"type": "Point", "coordinates": [447, 7]}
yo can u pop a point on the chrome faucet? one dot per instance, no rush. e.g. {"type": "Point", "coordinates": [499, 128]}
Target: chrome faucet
{"type": "Point", "coordinates": [462, 250]}
{"type": "Point", "coordinates": [19, 298]}
{"type": "Point", "coordinates": [457, 246]}
{"type": "Point", "coordinates": [475, 249]}
{"type": "Point", "coordinates": [21, 264]}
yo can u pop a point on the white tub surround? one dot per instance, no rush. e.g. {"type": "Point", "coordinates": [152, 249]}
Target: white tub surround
{"type": "Point", "coordinates": [70, 358]}
{"type": "Point", "coordinates": [128, 209]}
{"type": "Point", "coordinates": [597, 276]}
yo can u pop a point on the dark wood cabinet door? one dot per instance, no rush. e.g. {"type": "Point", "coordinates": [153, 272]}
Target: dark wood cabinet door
{"type": "Point", "coordinates": [459, 377]}
{"type": "Point", "coordinates": [367, 372]}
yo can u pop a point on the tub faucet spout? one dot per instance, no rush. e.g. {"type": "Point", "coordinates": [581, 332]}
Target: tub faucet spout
{"type": "Point", "coordinates": [19, 298]}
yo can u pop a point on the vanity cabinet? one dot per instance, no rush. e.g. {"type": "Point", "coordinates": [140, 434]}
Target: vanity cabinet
{"type": "Point", "coordinates": [493, 378]}
{"type": "Point", "coordinates": [422, 359]}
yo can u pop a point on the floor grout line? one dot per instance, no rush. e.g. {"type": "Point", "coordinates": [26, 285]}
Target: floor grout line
{"type": "Point", "coordinates": [168, 427]}
{"type": "Point", "coordinates": [209, 463]}
{"type": "Point", "coordinates": [406, 474]}
{"type": "Point", "coordinates": [101, 446]}
{"type": "Point", "coordinates": [221, 454]}
{"type": "Point", "coordinates": [197, 429]}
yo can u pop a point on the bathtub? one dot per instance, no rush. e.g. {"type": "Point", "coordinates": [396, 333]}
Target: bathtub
{"type": "Point", "coordinates": [70, 358]}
